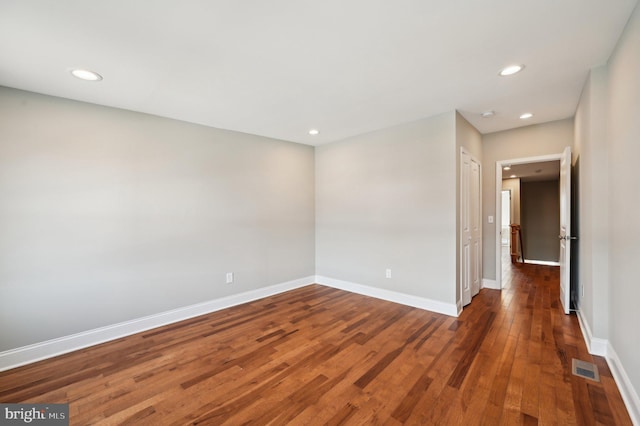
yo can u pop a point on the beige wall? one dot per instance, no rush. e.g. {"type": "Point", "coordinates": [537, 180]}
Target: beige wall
{"type": "Point", "coordinates": [623, 137]}
{"type": "Point", "coordinates": [109, 215]}
{"type": "Point", "coordinates": [387, 199]}
{"type": "Point", "coordinates": [591, 163]}
{"type": "Point", "coordinates": [468, 137]}
{"type": "Point", "coordinates": [607, 131]}
{"type": "Point", "coordinates": [540, 220]}
{"type": "Point", "coordinates": [531, 141]}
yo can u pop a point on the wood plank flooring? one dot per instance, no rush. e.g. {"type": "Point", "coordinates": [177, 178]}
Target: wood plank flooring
{"type": "Point", "coordinates": [321, 356]}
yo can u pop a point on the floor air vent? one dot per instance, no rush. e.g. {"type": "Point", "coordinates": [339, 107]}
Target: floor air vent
{"type": "Point", "coordinates": [585, 369]}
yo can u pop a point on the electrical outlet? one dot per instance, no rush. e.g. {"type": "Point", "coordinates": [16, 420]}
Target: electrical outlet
{"type": "Point", "coordinates": [581, 291]}
{"type": "Point", "coordinates": [490, 219]}
{"type": "Point", "coordinates": [229, 277]}
{"type": "Point", "coordinates": [388, 273]}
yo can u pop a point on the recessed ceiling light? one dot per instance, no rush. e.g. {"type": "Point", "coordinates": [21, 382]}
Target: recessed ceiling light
{"type": "Point", "coordinates": [488, 114]}
{"type": "Point", "coordinates": [86, 75]}
{"type": "Point", "coordinates": [513, 176]}
{"type": "Point", "coordinates": [511, 70]}
{"type": "Point", "coordinates": [314, 132]}
{"type": "Point", "coordinates": [507, 168]}
{"type": "Point", "coordinates": [526, 115]}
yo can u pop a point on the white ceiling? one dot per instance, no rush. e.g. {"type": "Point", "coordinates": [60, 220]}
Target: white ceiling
{"type": "Point", "coordinates": [529, 172]}
{"type": "Point", "coordinates": [278, 68]}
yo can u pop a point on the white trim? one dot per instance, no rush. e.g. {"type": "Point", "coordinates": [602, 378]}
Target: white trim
{"type": "Point", "coordinates": [492, 284]}
{"type": "Point", "coordinates": [541, 262]}
{"type": "Point", "coordinates": [599, 346]}
{"type": "Point", "coordinates": [629, 394]}
{"type": "Point", "coordinates": [602, 347]}
{"type": "Point", "coordinates": [450, 309]}
{"type": "Point", "coordinates": [459, 307]}
{"type": "Point", "coordinates": [595, 345]}
{"type": "Point", "coordinates": [50, 348]}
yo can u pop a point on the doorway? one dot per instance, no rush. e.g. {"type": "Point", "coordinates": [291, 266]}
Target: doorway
{"type": "Point", "coordinates": [506, 218]}
{"type": "Point", "coordinates": [517, 169]}
{"type": "Point", "coordinates": [505, 224]}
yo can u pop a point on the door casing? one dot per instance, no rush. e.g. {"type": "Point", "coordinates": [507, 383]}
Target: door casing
{"type": "Point", "coordinates": [498, 218]}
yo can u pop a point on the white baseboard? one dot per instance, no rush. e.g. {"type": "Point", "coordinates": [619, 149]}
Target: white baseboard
{"type": "Point", "coordinates": [595, 346]}
{"type": "Point", "coordinates": [598, 347]}
{"type": "Point", "coordinates": [492, 284]}
{"type": "Point", "coordinates": [50, 348]}
{"type": "Point", "coordinates": [602, 347]}
{"type": "Point", "coordinates": [629, 394]}
{"type": "Point", "coordinates": [391, 296]}
{"type": "Point", "coordinates": [541, 262]}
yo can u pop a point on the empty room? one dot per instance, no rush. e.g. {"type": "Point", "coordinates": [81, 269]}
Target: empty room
{"type": "Point", "coordinates": [278, 212]}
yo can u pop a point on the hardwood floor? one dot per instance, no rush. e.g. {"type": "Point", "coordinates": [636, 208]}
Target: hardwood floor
{"type": "Point", "coordinates": [318, 355]}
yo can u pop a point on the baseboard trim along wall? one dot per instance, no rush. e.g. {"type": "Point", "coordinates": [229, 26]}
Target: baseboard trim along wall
{"type": "Point", "coordinates": [492, 284]}
{"type": "Point", "coordinates": [391, 296]}
{"type": "Point", "coordinates": [629, 394]}
{"type": "Point", "coordinates": [39, 351]}
{"type": "Point", "coordinates": [28, 354]}
{"type": "Point", "coordinates": [602, 347]}
{"type": "Point", "coordinates": [541, 262]}
{"type": "Point", "coordinates": [595, 345]}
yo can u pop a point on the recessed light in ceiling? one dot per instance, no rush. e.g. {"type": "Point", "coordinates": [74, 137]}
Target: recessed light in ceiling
{"type": "Point", "coordinates": [511, 70]}
{"type": "Point", "coordinates": [526, 115]}
{"type": "Point", "coordinates": [314, 132]}
{"type": "Point", "coordinates": [513, 176]}
{"type": "Point", "coordinates": [86, 75]}
{"type": "Point", "coordinates": [488, 114]}
{"type": "Point", "coordinates": [507, 168]}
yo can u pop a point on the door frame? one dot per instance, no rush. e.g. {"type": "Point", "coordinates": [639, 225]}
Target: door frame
{"type": "Point", "coordinates": [498, 218]}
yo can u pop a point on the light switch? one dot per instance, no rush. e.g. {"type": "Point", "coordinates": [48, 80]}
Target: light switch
{"type": "Point", "coordinates": [490, 219]}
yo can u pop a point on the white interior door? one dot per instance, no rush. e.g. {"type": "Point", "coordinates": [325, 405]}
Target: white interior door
{"type": "Point", "coordinates": [476, 221]}
{"type": "Point", "coordinates": [565, 229]}
{"type": "Point", "coordinates": [470, 227]}
{"type": "Point", "coordinates": [465, 228]}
